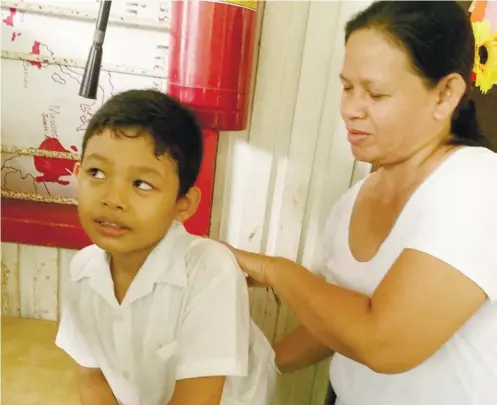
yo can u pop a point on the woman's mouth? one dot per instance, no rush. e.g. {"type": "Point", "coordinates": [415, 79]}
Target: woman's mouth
{"type": "Point", "coordinates": [356, 137]}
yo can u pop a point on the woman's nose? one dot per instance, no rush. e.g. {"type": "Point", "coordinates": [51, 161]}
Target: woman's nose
{"type": "Point", "coordinates": [352, 106]}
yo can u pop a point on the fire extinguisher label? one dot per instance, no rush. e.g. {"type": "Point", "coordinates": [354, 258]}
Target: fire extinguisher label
{"type": "Point", "coordinates": [250, 4]}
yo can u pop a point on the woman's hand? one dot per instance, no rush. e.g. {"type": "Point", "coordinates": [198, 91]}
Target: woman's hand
{"type": "Point", "coordinates": [258, 267]}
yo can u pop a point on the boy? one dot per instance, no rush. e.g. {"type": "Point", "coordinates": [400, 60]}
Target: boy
{"type": "Point", "coordinates": [154, 315]}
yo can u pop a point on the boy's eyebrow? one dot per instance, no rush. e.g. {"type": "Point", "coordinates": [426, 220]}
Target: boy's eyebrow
{"type": "Point", "coordinates": [141, 169]}
{"type": "Point", "coordinates": [148, 170]}
{"type": "Point", "coordinates": [98, 157]}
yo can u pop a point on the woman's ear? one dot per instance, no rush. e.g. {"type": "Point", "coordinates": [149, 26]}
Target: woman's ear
{"type": "Point", "coordinates": [451, 90]}
{"type": "Point", "coordinates": [188, 204]}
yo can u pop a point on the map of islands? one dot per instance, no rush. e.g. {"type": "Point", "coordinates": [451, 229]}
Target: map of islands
{"type": "Point", "coordinates": [43, 111]}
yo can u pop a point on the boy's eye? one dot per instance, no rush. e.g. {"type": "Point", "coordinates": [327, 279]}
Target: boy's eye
{"type": "Point", "coordinates": [96, 173]}
{"type": "Point", "coordinates": [142, 185]}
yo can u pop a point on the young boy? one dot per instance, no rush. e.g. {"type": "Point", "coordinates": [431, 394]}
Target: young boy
{"type": "Point", "coordinates": [154, 315]}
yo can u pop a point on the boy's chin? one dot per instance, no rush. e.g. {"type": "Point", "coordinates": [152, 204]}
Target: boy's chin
{"type": "Point", "coordinates": [126, 245]}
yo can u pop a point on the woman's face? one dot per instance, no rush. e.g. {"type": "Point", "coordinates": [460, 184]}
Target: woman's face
{"type": "Point", "coordinates": [387, 108]}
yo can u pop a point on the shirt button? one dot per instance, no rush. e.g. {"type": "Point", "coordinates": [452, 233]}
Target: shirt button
{"type": "Point", "coordinates": [126, 375]}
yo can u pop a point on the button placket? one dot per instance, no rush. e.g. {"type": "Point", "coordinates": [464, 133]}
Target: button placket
{"type": "Point", "coordinates": [121, 340]}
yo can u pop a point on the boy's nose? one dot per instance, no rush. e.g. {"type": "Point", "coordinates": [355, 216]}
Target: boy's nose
{"type": "Point", "coordinates": [113, 204]}
{"type": "Point", "coordinates": [114, 199]}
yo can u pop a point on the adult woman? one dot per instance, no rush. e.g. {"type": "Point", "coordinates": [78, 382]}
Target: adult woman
{"type": "Point", "coordinates": [409, 305]}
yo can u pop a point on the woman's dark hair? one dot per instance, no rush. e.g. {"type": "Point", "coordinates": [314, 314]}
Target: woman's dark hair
{"type": "Point", "coordinates": [439, 40]}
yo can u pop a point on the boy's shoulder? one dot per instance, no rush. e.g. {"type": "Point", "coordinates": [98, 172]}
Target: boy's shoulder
{"type": "Point", "coordinates": [210, 255]}
{"type": "Point", "coordinates": [205, 248]}
{"type": "Point", "coordinates": [205, 259]}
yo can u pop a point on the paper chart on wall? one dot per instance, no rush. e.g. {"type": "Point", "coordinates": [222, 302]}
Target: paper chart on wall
{"type": "Point", "coordinates": [41, 108]}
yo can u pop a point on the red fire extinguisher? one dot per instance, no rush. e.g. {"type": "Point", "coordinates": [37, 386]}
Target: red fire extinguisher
{"type": "Point", "coordinates": [210, 60]}
{"type": "Point", "coordinates": [210, 67]}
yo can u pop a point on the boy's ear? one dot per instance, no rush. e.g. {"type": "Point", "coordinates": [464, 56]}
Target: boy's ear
{"type": "Point", "coordinates": [77, 169]}
{"type": "Point", "coordinates": [188, 204]}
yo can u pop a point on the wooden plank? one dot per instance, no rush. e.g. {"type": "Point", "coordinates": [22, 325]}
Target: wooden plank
{"type": "Point", "coordinates": [299, 387]}
{"type": "Point", "coordinates": [10, 279]}
{"type": "Point", "coordinates": [26, 276]}
{"type": "Point", "coordinates": [275, 98]}
{"type": "Point", "coordinates": [289, 211]}
{"type": "Point", "coordinates": [290, 187]}
{"type": "Point", "coordinates": [290, 207]}
{"type": "Point", "coordinates": [65, 258]}
{"type": "Point", "coordinates": [39, 282]}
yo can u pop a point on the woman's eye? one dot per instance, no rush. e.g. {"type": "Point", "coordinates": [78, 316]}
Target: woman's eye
{"type": "Point", "coordinates": [96, 173]}
{"type": "Point", "coordinates": [142, 185]}
{"type": "Point", "coordinates": [376, 96]}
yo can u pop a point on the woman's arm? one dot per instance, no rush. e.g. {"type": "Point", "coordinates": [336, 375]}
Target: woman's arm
{"type": "Point", "coordinates": [94, 388]}
{"type": "Point", "coordinates": [419, 305]}
{"type": "Point", "coordinates": [299, 349]}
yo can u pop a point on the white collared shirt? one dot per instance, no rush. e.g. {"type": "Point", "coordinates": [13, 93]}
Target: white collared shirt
{"type": "Point", "coordinates": [185, 315]}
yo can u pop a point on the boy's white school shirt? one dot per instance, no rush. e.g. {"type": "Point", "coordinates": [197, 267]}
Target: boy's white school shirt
{"type": "Point", "coordinates": [185, 315]}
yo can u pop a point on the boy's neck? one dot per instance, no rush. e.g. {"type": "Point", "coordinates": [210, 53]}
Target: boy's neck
{"type": "Point", "coordinates": [123, 270]}
{"type": "Point", "coordinates": [128, 264]}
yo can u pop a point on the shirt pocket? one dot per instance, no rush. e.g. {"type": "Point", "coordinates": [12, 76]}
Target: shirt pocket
{"type": "Point", "coordinates": [167, 352]}
{"type": "Point", "coordinates": [166, 358]}
{"type": "Point", "coordinates": [159, 377]}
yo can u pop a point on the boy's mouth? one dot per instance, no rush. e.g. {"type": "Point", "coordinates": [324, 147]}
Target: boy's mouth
{"type": "Point", "coordinates": [110, 221]}
{"type": "Point", "coordinates": [111, 224]}
{"type": "Point", "coordinates": [111, 227]}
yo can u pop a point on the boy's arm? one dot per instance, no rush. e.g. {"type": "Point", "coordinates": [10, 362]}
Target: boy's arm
{"type": "Point", "coordinates": [94, 388]}
{"type": "Point", "coordinates": [198, 391]}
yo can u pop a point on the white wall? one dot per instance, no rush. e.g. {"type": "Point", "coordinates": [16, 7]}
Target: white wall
{"type": "Point", "coordinates": [275, 182]}
{"type": "Point", "coordinates": [282, 176]}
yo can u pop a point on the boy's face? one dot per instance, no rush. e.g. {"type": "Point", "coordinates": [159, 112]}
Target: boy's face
{"type": "Point", "coordinates": [128, 197]}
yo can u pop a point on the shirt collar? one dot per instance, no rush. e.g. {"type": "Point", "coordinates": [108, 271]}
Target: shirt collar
{"type": "Point", "coordinates": [165, 264]}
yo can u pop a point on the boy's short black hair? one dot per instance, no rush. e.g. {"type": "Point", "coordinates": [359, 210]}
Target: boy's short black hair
{"type": "Point", "coordinates": [172, 126]}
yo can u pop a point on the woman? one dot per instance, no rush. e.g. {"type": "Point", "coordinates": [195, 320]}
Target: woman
{"type": "Point", "coordinates": [409, 305]}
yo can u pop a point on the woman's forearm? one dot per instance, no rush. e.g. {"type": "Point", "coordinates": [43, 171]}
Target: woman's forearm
{"type": "Point", "coordinates": [298, 350]}
{"type": "Point", "coordinates": [338, 318]}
